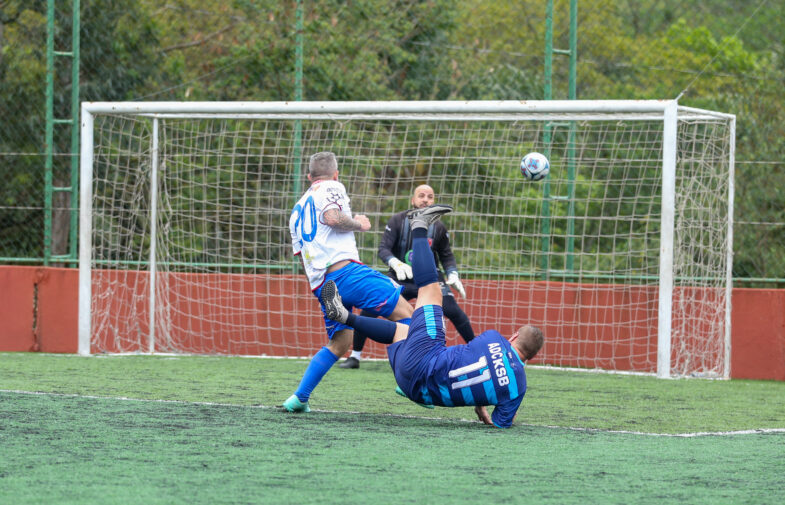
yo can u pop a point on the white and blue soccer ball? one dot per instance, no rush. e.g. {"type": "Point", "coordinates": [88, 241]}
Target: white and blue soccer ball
{"type": "Point", "coordinates": [535, 166]}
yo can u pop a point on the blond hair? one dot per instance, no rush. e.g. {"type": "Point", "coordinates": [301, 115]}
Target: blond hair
{"type": "Point", "coordinates": [529, 342]}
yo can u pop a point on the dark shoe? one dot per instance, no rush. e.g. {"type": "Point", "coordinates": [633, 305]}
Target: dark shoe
{"type": "Point", "coordinates": [423, 218]}
{"type": "Point", "coordinates": [350, 362]}
{"type": "Point", "coordinates": [333, 305]}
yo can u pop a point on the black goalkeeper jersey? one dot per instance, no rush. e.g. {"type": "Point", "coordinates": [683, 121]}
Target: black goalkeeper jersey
{"type": "Point", "coordinates": [397, 242]}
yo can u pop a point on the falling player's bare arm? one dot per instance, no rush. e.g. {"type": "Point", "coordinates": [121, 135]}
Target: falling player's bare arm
{"type": "Point", "coordinates": [340, 221]}
{"type": "Point", "coordinates": [482, 414]}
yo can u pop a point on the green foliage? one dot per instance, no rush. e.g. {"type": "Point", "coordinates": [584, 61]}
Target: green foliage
{"type": "Point", "coordinates": [119, 51]}
{"type": "Point", "coordinates": [725, 55]}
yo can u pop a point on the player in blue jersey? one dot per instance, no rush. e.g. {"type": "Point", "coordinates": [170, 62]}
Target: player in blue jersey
{"type": "Point", "coordinates": [489, 370]}
{"type": "Point", "coordinates": [322, 229]}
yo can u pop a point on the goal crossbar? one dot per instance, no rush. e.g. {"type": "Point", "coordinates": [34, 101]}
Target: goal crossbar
{"type": "Point", "coordinates": [484, 109]}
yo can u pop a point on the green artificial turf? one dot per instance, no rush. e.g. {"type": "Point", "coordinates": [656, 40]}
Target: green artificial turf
{"type": "Point", "coordinates": [157, 429]}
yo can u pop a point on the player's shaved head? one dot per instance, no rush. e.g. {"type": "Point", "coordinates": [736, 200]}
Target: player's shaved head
{"type": "Point", "coordinates": [423, 187]}
{"type": "Point", "coordinates": [423, 196]}
{"type": "Point", "coordinates": [322, 165]}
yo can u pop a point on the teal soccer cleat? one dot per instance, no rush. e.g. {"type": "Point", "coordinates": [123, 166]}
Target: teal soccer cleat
{"type": "Point", "coordinates": [400, 392]}
{"type": "Point", "coordinates": [293, 404]}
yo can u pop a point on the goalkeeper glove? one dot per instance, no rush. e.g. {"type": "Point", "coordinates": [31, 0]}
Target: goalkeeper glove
{"type": "Point", "coordinates": [401, 269]}
{"type": "Point", "coordinates": [455, 282]}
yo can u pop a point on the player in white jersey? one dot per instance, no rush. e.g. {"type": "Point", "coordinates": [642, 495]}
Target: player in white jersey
{"type": "Point", "coordinates": [322, 230]}
{"type": "Point", "coordinates": [322, 246]}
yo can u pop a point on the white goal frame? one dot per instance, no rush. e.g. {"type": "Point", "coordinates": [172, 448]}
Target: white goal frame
{"type": "Point", "coordinates": [668, 111]}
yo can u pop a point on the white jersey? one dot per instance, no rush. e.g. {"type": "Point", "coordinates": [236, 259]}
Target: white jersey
{"type": "Point", "coordinates": [319, 244]}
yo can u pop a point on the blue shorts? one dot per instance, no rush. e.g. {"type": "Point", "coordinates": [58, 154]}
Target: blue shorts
{"type": "Point", "coordinates": [363, 287]}
{"type": "Point", "coordinates": [409, 358]}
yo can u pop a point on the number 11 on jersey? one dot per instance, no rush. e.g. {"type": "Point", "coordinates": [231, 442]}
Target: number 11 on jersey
{"type": "Point", "coordinates": [473, 367]}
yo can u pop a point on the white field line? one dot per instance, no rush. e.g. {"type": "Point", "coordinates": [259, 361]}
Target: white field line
{"type": "Point", "coordinates": [276, 407]}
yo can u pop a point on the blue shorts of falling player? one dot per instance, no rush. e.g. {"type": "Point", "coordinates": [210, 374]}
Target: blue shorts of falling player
{"type": "Point", "coordinates": [486, 371]}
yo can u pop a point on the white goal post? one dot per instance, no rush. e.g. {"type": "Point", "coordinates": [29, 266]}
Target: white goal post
{"type": "Point", "coordinates": [622, 255]}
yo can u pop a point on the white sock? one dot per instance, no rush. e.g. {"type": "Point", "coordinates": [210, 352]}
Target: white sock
{"type": "Point", "coordinates": [356, 354]}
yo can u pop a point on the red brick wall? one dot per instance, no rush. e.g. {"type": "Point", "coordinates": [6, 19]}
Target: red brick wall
{"type": "Point", "coordinates": [758, 334]}
{"type": "Point", "coordinates": [38, 310]}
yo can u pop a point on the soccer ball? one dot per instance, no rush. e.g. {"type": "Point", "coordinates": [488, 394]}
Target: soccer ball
{"type": "Point", "coordinates": [535, 166]}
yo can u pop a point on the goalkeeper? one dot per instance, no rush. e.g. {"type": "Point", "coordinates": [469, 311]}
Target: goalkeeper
{"type": "Point", "coordinates": [394, 248]}
{"type": "Point", "coordinates": [489, 370]}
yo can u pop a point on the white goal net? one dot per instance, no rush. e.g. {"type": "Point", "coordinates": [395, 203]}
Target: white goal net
{"type": "Point", "coordinates": [622, 255]}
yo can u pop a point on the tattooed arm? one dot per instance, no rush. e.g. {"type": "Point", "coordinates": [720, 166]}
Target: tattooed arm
{"type": "Point", "coordinates": [340, 221]}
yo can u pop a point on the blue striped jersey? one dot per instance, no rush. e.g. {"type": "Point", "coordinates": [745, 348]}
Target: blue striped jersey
{"type": "Point", "coordinates": [486, 371]}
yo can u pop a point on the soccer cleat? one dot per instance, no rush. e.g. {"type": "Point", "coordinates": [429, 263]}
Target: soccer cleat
{"type": "Point", "coordinates": [350, 362]}
{"type": "Point", "coordinates": [400, 392]}
{"type": "Point", "coordinates": [333, 306]}
{"type": "Point", "coordinates": [293, 404]}
{"type": "Point", "coordinates": [428, 215]}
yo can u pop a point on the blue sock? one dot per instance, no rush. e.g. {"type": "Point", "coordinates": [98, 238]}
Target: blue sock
{"type": "Point", "coordinates": [319, 365]}
{"type": "Point", "coordinates": [380, 330]}
{"type": "Point", "coordinates": [423, 264]}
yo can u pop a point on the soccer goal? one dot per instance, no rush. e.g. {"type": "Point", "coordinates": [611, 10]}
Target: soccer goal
{"type": "Point", "coordinates": [622, 255]}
